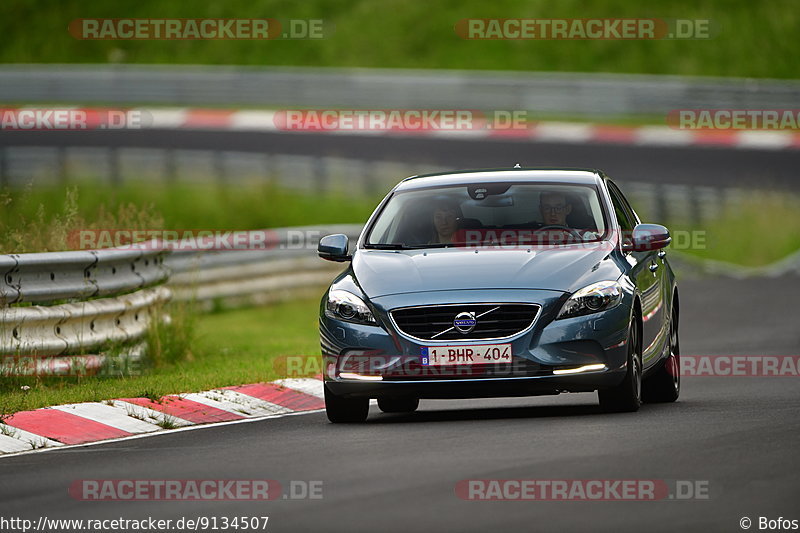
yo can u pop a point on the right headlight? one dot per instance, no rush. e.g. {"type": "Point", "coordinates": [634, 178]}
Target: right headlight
{"type": "Point", "coordinates": [344, 305]}
{"type": "Point", "coordinates": [591, 299]}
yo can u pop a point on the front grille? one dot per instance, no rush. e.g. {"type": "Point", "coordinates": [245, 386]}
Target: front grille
{"type": "Point", "coordinates": [492, 320]}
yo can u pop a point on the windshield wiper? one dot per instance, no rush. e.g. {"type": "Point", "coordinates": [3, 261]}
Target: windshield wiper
{"type": "Point", "coordinates": [432, 245]}
{"type": "Point", "coordinates": [387, 246]}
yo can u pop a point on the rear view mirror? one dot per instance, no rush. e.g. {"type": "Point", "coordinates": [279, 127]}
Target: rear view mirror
{"type": "Point", "coordinates": [334, 247]}
{"type": "Point", "coordinates": [646, 237]}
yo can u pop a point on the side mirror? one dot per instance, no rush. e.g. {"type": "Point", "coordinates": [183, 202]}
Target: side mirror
{"type": "Point", "coordinates": [647, 237]}
{"type": "Point", "coordinates": [334, 248]}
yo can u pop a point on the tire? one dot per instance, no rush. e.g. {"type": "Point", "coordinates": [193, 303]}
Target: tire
{"type": "Point", "coordinates": [665, 385]}
{"type": "Point", "coordinates": [398, 405]}
{"type": "Point", "coordinates": [627, 396]}
{"type": "Point", "coordinates": [345, 410]}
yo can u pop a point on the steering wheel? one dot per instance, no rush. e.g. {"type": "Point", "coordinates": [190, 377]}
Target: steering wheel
{"type": "Point", "coordinates": [573, 231]}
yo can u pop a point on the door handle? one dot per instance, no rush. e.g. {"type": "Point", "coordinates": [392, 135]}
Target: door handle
{"type": "Point", "coordinates": [653, 267]}
{"type": "Point", "coordinates": [662, 254]}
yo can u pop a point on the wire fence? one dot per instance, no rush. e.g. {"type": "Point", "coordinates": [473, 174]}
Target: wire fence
{"type": "Point", "coordinates": [575, 94]}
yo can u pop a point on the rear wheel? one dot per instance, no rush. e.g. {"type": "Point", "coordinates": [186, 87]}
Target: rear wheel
{"type": "Point", "coordinates": [345, 410]}
{"type": "Point", "coordinates": [398, 405]}
{"type": "Point", "coordinates": [627, 396]}
{"type": "Point", "coordinates": [665, 385]}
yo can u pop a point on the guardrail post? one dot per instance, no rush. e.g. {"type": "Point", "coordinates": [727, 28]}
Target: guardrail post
{"type": "Point", "coordinates": [662, 210]}
{"type": "Point", "coordinates": [3, 167]}
{"type": "Point", "coordinates": [269, 171]}
{"type": "Point", "coordinates": [61, 162]}
{"type": "Point", "coordinates": [170, 167]}
{"type": "Point", "coordinates": [219, 166]}
{"type": "Point", "coordinates": [696, 214]}
{"type": "Point", "coordinates": [321, 174]}
{"type": "Point", "coordinates": [368, 176]}
{"type": "Point", "coordinates": [113, 166]}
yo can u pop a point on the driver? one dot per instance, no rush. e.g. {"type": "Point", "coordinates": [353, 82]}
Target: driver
{"type": "Point", "coordinates": [445, 221]}
{"type": "Point", "coordinates": [555, 208]}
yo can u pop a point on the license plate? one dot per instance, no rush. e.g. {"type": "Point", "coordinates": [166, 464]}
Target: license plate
{"type": "Point", "coordinates": [479, 354]}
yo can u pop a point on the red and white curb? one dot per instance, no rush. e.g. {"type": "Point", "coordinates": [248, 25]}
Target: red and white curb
{"type": "Point", "coordinates": [200, 119]}
{"type": "Point", "coordinates": [244, 120]}
{"type": "Point", "coordinates": [83, 423]}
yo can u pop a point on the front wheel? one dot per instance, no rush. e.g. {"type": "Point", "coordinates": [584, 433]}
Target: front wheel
{"type": "Point", "coordinates": [665, 385]}
{"type": "Point", "coordinates": [627, 396]}
{"type": "Point", "coordinates": [345, 410]}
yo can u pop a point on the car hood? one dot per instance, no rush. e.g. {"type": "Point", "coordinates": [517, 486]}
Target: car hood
{"type": "Point", "coordinates": [565, 268]}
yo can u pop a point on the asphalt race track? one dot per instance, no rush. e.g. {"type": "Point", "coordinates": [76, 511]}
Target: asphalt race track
{"type": "Point", "coordinates": [398, 472]}
{"type": "Point", "coordinates": [700, 165]}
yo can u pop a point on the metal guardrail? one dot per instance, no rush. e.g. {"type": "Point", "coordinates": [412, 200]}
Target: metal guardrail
{"type": "Point", "coordinates": [113, 295]}
{"type": "Point", "coordinates": [48, 277]}
{"type": "Point", "coordinates": [86, 304]}
{"type": "Point", "coordinates": [289, 268]}
{"type": "Point", "coordinates": [575, 94]}
{"type": "Point", "coordinates": [87, 326]}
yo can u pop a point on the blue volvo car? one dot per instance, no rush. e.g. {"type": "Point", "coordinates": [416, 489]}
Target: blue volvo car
{"type": "Point", "coordinates": [500, 282]}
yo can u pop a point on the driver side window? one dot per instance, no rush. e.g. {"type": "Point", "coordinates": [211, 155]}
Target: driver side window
{"type": "Point", "coordinates": [624, 215]}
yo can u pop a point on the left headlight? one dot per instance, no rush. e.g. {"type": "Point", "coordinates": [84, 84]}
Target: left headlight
{"type": "Point", "coordinates": [343, 305]}
{"type": "Point", "coordinates": [591, 299]}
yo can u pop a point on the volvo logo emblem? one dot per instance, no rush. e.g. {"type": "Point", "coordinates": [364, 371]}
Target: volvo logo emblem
{"type": "Point", "coordinates": [465, 322]}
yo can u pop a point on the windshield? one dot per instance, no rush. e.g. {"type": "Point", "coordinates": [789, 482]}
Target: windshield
{"type": "Point", "coordinates": [489, 214]}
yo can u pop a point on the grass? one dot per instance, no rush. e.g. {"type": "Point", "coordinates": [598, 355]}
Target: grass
{"type": "Point", "coordinates": [765, 229]}
{"type": "Point", "coordinates": [43, 218]}
{"type": "Point", "coordinates": [751, 39]}
{"type": "Point", "coordinates": [232, 348]}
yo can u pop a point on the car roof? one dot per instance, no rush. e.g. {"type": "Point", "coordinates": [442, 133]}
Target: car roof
{"type": "Point", "coordinates": [573, 176]}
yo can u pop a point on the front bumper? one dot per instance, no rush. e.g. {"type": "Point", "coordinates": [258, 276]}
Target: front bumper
{"type": "Point", "coordinates": [373, 361]}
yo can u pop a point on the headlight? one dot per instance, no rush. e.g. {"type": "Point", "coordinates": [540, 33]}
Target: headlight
{"type": "Point", "coordinates": [344, 305]}
{"type": "Point", "coordinates": [596, 297]}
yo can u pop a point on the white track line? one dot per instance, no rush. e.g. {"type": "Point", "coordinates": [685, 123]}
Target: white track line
{"type": "Point", "coordinates": [308, 385]}
{"type": "Point", "coordinates": [150, 415]}
{"type": "Point", "coordinates": [13, 444]}
{"type": "Point", "coordinates": [28, 438]}
{"type": "Point", "coordinates": [662, 136]}
{"type": "Point", "coordinates": [563, 131]}
{"type": "Point", "coordinates": [253, 121]}
{"type": "Point", "coordinates": [236, 403]}
{"type": "Point", "coordinates": [258, 406]}
{"type": "Point", "coordinates": [165, 118]}
{"type": "Point", "coordinates": [775, 140]}
{"type": "Point", "coordinates": [116, 417]}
